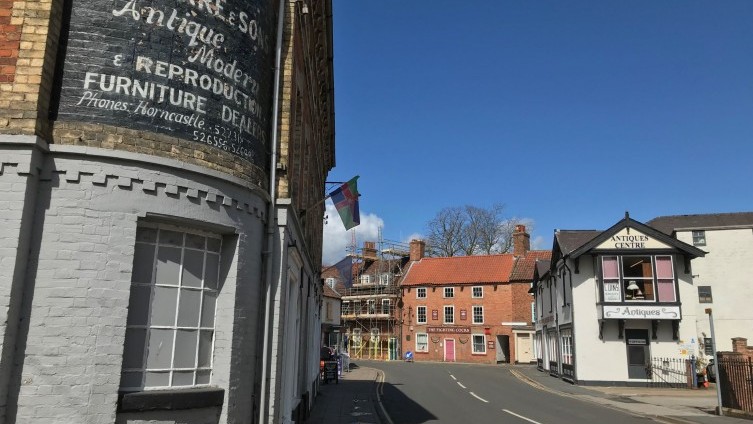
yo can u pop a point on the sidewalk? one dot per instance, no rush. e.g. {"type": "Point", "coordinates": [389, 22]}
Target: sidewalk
{"type": "Point", "coordinates": [351, 401]}
{"type": "Point", "coordinates": [669, 405]}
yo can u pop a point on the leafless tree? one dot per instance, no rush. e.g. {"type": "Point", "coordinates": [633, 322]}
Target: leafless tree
{"type": "Point", "coordinates": [471, 230]}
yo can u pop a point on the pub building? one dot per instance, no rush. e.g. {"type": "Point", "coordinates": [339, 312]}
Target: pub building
{"type": "Point", "coordinates": [609, 301]}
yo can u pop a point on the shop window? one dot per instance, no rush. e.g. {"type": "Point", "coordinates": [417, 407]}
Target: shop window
{"type": "Point", "coordinates": [478, 291]}
{"type": "Point", "coordinates": [704, 294]}
{"type": "Point", "coordinates": [699, 238]}
{"type": "Point", "coordinates": [638, 275]}
{"type": "Point", "coordinates": [479, 343]}
{"type": "Point", "coordinates": [449, 292]}
{"type": "Point", "coordinates": [422, 342]}
{"type": "Point", "coordinates": [421, 293]}
{"type": "Point", "coordinates": [421, 315]}
{"type": "Point", "coordinates": [171, 314]}
{"type": "Point", "coordinates": [478, 314]}
{"type": "Point", "coordinates": [640, 278]}
{"type": "Point", "coordinates": [567, 346]}
{"type": "Point", "coordinates": [449, 314]}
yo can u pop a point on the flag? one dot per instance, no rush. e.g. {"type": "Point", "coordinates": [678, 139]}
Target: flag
{"type": "Point", "coordinates": [345, 199]}
{"type": "Point", "coordinates": [345, 268]}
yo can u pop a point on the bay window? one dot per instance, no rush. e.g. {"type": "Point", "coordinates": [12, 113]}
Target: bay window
{"type": "Point", "coordinates": [638, 278]}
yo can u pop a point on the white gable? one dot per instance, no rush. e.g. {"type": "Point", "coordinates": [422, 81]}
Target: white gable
{"type": "Point", "coordinates": [630, 238]}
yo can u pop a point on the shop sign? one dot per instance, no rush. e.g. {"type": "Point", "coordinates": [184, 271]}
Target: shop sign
{"type": "Point", "coordinates": [434, 314]}
{"type": "Point", "coordinates": [630, 239]}
{"type": "Point", "coordinates": [449, 330]}
{"type": "Point", "coordinates": [612, 292]}
{"type": "Point", "coordinates": [463, 314]}
{"type": "Point", "coordinates": [641, 312]}
{"type": "Point", "coordinates": [490, 344]}
{"type": "Point", "coordinates": [196, 70]}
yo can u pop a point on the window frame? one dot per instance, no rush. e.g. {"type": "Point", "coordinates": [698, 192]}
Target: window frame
{"type": "Point", "coordinates": [420, 292]}
{"type": "Point", "coordinates": [149, 238]}
{"type": "Point", "coordinates": [448, 292]}
{"type": "Point", "coordinates": [451, 309]}
{"type": "Point", "coordinates": [424, 336]}
{"type": "Point", "coordinates": [705, 297]}
{"type": "Point", "coordinates": [473, 314]}
{"type": "Point", "coordinates": [658, 281]}
{"type": "Point", "coordinates": [698, 237]}
{"type": "Point", "coordinates": [474, 351]}
{"type": "Point", "coordinates": [418, 314]}
{"type": "Point", "coordinates": [387, 310]}
{"type": "Point", "coordinates": [480, 295]}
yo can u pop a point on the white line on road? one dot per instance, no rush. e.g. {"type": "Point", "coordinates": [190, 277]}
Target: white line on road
{"type": "Point", "coordinates": [521, 417]}
{"type": "Point", "coordinates": [461, 385]}
{"type": "Point", "coordinates": [479, 398]}
{"type": "Point", "coordinates": [453, 377]}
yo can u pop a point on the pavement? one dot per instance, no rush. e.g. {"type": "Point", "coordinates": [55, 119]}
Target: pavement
{"type": "Point", "coordinates": [355, 400]}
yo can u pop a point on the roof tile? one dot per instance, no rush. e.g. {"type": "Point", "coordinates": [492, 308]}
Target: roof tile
{"type": "Point", "coordinates": [460, 269]}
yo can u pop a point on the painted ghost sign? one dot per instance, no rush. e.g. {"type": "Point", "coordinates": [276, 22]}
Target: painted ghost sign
{"type": "Point", "coordinates": [200, 70]}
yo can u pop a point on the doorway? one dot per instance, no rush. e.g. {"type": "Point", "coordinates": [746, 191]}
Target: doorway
{"type": "Point", "coordinates": [524, 348]}
{"type": "Point", "coordinates": [503, 349]}
{"type": "Point", "coordinates": [449, 350]}
{"type": "Point", "coordinates": [638, 353]}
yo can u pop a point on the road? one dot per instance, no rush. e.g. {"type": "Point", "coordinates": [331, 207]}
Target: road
{"type": "Point", "coordinates": [417, 393]}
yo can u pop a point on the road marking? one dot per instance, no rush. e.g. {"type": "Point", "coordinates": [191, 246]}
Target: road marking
{"type": "Point", "coordinates": [461, 385]}
{"type": "Point", "coordinates": [521, 417]}
{"type": "Point", "coordinates": [479, 398]}
{"type": "Point", "coordinates": [453, 377]}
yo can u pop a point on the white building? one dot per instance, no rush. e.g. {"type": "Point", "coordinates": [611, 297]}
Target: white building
{"type": "Point", "coordinates": [612, 300]}
{"type": "Point", "coordinates": [723, 276]}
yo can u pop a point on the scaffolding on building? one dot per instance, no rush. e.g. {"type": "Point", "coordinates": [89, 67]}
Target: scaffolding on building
{"type": "Point", "coordinates": [371, 313]}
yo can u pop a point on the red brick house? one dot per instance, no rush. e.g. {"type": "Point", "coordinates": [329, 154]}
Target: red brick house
{"type": "Point", "coordinates": [470, 308]}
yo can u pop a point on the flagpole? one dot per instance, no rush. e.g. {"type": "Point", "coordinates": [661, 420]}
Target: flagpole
{"type": "Point", "coordinates": [304, 210]}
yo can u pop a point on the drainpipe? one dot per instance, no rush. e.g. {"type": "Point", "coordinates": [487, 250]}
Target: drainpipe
{"type": "Point", "coordinates": [271, 220]}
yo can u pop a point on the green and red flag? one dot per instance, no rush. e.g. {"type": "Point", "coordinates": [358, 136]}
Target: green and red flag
{"type": "Point", "coordinates": [345, 199]}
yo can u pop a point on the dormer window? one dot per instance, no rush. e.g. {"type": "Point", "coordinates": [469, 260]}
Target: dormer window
{"type": "Point", "coordinates": [366, 279]}
{"type": "Point", "coordinates": [330, 282]}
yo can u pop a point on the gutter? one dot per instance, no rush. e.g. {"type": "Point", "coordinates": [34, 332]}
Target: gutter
{"type": "Point", "coordinates": [267, 256]}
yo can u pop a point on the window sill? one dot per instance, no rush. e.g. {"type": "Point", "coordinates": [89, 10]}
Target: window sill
{"type": "Point", "coordinates": [171, 400]}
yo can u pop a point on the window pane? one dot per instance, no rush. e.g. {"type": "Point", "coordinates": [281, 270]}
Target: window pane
{"type": "Point", "coordinates": [664, 267]}
{"type": "Point", "coordinates": [185, 348]}
{"type": "Point", "coordinates": [133, 352]}
{"type": "Point", "coordinates": [160, 348]}
{"type": "Point", "coordinates": [207, 310]}
{"type": "Point", "coordinates": [183, 378]}
{"type": "Point", "coordinates": [172, 238]}
{"type": "Point", "coordinates": [609, 265]}
{"type": "Point", "coordinates": [636, 267]}
{"type": "Point", "coordinates": [168, 265]}
{"type": "Point", "coordinates": [666, 291]}
{"type": "Point", "coordinates": [205, 348]}
{"type": "Point", "coordinates": [193, 265]}
{"type": "Point", "coordinates": [210, 276]}
{"type": "Point", "coordinates": [195, 241]}
{"type": "Point", "coordinates": [202, 377]}
{"type": "Point", "coordinates": [131, 379]}
{"type": "Point", "coordinates": [143, 263]}
{"type": "Point", "coordinates": [213, 244]}
{"type": "Point", "coordinates": [163, 306]}
{"type": "Point", "coordinates": [138, 305]}
{"type": "Point", "coordinates": [148, 235]}
{"type": "Point", "coordinates": [157, 379]}
{"type": "Point", "coordinates": [188, 313]}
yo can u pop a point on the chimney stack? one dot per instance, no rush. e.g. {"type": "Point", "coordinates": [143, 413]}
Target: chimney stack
{"type": "Point", "coordinates": [369, 251]}
{"type": "Point", "coordinates": [417, 249]}
{"type": "Point", "coordinates": [521, 241]}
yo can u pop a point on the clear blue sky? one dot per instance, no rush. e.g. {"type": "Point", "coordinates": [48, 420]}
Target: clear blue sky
{"type": "Point", "coordinates": [569, 113]}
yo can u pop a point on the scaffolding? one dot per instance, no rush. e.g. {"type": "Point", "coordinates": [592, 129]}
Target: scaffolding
{"type": "Point", "coordinates": [371, 313]}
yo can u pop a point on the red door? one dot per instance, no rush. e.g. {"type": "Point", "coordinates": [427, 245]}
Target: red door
{"type": "Point", "coordinates": [449, 350]}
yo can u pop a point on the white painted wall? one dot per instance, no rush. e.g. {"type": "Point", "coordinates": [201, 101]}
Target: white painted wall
{"type": "Point", "coordinates": [728, 269]}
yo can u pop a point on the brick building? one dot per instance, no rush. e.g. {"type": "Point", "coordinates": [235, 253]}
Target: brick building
{"type": "Point", "coordinates": [470, 308]}
{"type": "Point", "coordinates": [160, 249]}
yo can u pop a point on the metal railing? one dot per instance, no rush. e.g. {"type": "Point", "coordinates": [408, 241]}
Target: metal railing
{"type": "Point", "coordinates": [671, 372]}
{"type": "Point", "coordinates": [736, 379]}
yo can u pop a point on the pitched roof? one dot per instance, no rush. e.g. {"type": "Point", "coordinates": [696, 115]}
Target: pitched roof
{"type": "Point", "coordinates": [670, 224]}
{"type": "Point", "coordinates": [460, 269]}
{"type": "Point", "coordinates": [524, 267]}
{"type": "Point", "coordinates": [328, 292]}
{"type": "Point", "coordinates": [569, 240]}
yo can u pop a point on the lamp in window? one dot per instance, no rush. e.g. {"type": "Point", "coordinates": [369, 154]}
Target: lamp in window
{"type": "Point", "coordinates": [633, 287]}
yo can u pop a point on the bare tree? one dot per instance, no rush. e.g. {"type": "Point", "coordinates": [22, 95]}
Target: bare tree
{"type": "Point", "coordinates": [445, 232]}
{"type": "Point", "coordinates": [471, 230]}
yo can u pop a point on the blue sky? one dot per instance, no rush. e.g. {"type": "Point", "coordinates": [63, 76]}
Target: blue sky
{"type": "Point", "coordinates": [569, 113]}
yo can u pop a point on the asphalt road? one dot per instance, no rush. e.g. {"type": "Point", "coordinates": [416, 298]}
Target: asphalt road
{"type": "Point", "coordinates": [416, 393]}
